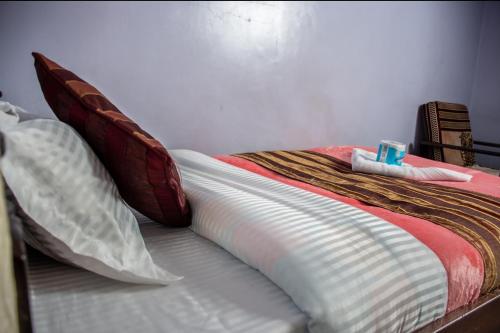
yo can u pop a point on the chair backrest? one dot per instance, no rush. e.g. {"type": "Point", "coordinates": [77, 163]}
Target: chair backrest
{"type": "Point", "coordinates": [448, 123]}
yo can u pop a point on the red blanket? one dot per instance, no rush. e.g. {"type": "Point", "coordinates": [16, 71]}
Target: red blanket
{"type": "Point", "coordinates": [461, 260]}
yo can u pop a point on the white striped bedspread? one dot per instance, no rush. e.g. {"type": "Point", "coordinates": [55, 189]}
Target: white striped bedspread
{"type": "Point", "coordinates": [349, 271]}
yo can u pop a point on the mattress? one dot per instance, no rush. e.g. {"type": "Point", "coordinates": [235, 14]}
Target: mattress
{"type": "Point", "coordinates": [218, 293]}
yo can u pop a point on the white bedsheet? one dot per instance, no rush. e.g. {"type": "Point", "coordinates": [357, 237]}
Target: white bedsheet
{"type": "Point", "coordinates": [219, 293]}
{"type": "Point", "coordinates": [348, 270]}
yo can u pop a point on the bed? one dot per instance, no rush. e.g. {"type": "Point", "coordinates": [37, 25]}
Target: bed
{"type": "Point", "coordinates": [218, 294]}
{"type": "Point", "coordinates": [280, 241]}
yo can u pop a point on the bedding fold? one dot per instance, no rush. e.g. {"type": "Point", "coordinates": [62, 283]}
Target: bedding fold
{"type": "Point", "coordinates": [348, 270]}
{"type": "Point", "coordinates": [473, 216]}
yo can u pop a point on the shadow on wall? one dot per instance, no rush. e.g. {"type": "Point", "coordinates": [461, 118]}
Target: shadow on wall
{"type": "Point", "coordinates": [419, 132]}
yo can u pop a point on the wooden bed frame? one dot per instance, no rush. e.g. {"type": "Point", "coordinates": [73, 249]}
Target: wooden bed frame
{"type": "Point", "coordinates": [20, 262]}
{"type": "Point", "coordinates": [481, 316]}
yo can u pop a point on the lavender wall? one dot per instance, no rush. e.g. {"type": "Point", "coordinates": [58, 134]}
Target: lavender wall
{"type": "Point", "coordinates": [230, 77]}
{"type": "Point", "coordinates": [485, 101]}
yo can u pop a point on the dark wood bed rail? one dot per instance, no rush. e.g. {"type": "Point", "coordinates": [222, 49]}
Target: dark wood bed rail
{"type": "Point", "coordinates": [481, 316]}
{"type": "Point", "coordinates": [472, 150]}
{"type": "Point", "coordinates": [19, 259]}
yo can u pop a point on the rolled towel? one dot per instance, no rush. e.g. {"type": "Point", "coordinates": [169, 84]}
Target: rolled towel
{"type": "Point", "coordinates": [365, 161]}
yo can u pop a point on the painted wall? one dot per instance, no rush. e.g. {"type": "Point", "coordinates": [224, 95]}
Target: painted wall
{"type": "Point", "coordinates": [485, 101]}
{"type": "Point", "coordinates": [232, 77]}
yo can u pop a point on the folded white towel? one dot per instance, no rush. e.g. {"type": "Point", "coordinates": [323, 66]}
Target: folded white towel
{"type": "Point", "coordinates": [364, 161]}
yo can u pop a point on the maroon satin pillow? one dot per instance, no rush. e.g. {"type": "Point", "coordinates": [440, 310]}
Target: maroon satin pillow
{"type": "Point", "coordinates": [141, 167]}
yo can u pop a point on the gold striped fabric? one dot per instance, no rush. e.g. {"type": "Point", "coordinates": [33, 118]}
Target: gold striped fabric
{"type": "Point", "coordinates": [451, 125]}
{"type": "Point", "coordinates": [473, 216]}
{"type": "Point", "coordinates": [453, 115]}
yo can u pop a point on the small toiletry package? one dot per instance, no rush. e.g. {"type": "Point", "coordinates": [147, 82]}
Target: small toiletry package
{"type": "Point", "coordinates": [391, 152]}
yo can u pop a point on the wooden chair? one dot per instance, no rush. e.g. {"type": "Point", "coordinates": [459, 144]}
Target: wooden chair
{"type": "Point", "coordinates": [447, 135]}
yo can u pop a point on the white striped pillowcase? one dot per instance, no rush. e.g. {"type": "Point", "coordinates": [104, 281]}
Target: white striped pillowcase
{"type": "Point", "coordinates": [74, 212]}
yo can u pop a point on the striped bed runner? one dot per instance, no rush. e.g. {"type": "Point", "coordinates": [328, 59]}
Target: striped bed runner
{"type": "Point", "coordinates": [473, 216]}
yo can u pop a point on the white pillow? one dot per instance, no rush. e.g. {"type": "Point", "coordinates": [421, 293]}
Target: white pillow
{"type": "Point", "coordinates": [76, 213]}
{"type": "Point", "coordinates": [17, 114]}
